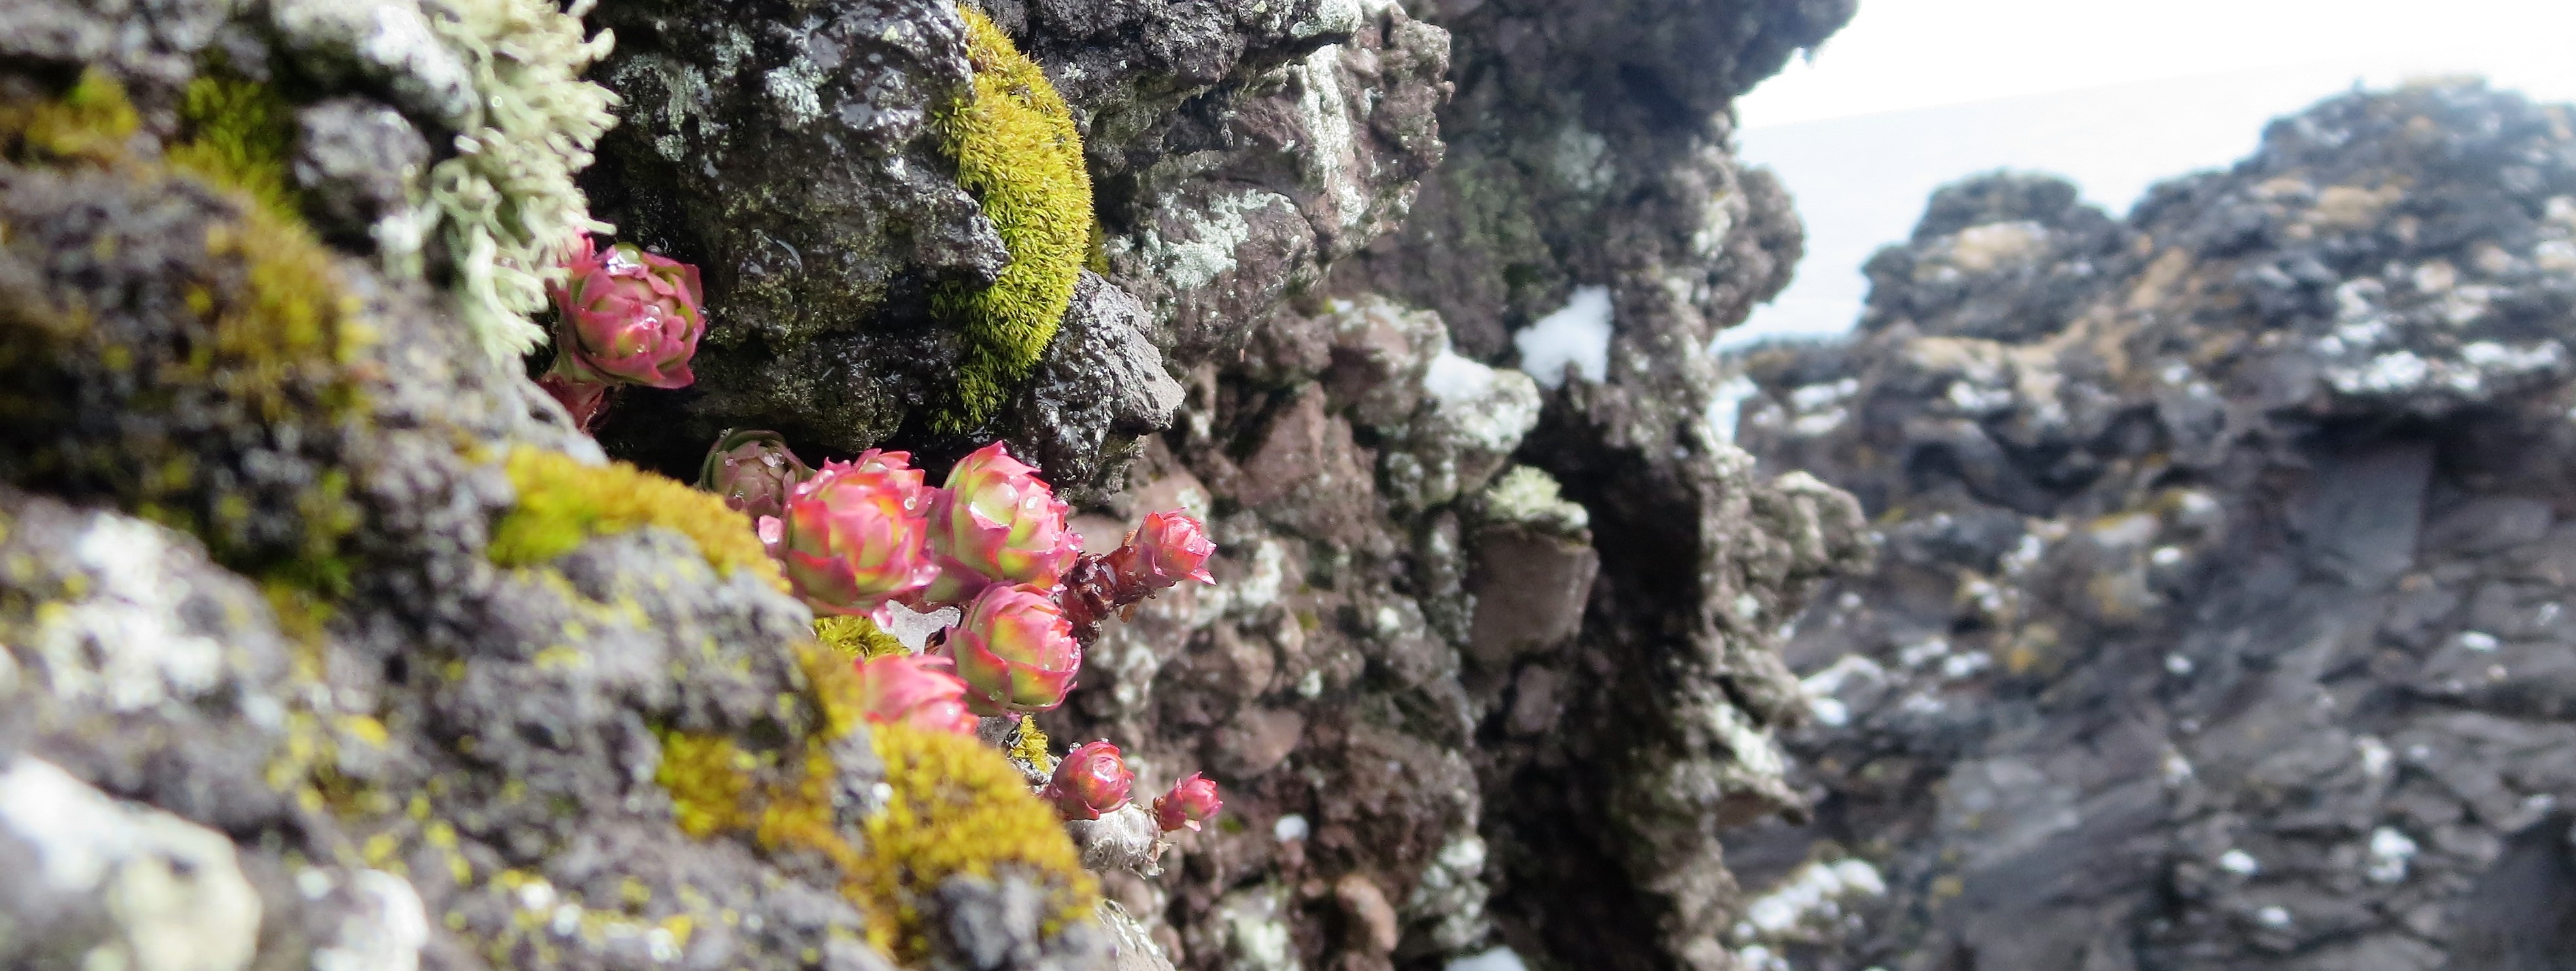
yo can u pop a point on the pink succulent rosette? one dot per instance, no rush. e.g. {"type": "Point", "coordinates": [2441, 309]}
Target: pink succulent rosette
{"type": "Point", "coordinates": [1167, 548]}
{"type": "Point", "coordinates": [902, 689]}
{"type": "Point", "coordinates": [997, 523]}
{"type": "Point", "coordinates": [1015, 650]}
{"type": "Point", "coordinates": [1092, 780]}
{"type": "Point", "coordinates": [1192, 801]}
{"type": "Point", "coordinates": [851, 538]}
{"type": "Point", "coordinates": [627, 315]}
{"type": "Point", "coordinates": [754, 471]}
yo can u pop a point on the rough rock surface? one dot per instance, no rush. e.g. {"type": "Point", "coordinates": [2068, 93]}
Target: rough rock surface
{"type": "Point", "coordinates": [1491, 658]}
{"type": "Point", "coordinates": [2222, 620]}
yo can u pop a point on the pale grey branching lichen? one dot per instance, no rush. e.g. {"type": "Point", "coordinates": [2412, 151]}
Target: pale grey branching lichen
{"type": "Point", "coordinates": [507, 206]}
{"type": "Point", "coordinates": [504, 77]}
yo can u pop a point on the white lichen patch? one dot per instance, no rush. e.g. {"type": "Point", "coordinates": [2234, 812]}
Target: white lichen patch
{"type": "Point", "coordinates": [1256, 930]}
{"type": "Point", "coordinates": [173, 893]}
{"type": "Point", "coordinates": [1204, 250]}
{"type": "Point", "coordinates": [1451, 894]}
{"type": "Point", "coordinates": [1480, 408]}
{"type": "Point", "coordinates": [796, 89]}
{"type": "Point", "coordinates": [1329, 153]}
{"type": "Point", "coordinates": [391, 42]}
{"type": "Point", "coordinates": [1580, 157]}
{"type": "Point", "coordinates": [123, 647]}
{"type": "Point", "coordinates": [383, 932]}
{"type": "Point", "coordinates": [1333, 17]}
{"type": "Point", "coordinates": [1527, 495]}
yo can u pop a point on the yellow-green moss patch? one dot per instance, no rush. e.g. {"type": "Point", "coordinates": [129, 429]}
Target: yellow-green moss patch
{"type": "Point", "coordinates": [957, 807]}
{"type": "Point", "coordinates": [856, 637]}
{"type": "Point", "coordinates": [259, 332]}
{"type": "Point", "coordinates": [1029, 744]}
{"type": "Point", "coordinates": [1018, 152]}
{"type": "Point", "coordinates": [91, 122]}
{"type": "Point", "coordinates": [239, 133]}
{"type": "Point", "coordinates": [563, 502]}
{"type": "Point", "coordinates": [960, 807]}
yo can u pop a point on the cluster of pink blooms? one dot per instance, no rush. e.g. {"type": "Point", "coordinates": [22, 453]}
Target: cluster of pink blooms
{"type": "Point", "coordinates": [862, 536]}
{"type": "Point", "coordinates": [1093, 779]}
{"type": "Point", "coordinates": [623, 316]}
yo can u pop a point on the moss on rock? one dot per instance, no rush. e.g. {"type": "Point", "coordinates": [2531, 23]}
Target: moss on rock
{"type": "Point", "coordinates": [563, 502]}
{"type": "Point", "coordinates": [960, 807]}
{"type": "Point", "coordinates": [170, 338]}
{"type": "Point", "coordinates": [956, 806]}
{"type": "Point", "coordinates": [1018, 152]}
{"type": "Point", "coordinates": [856, 637]}
{"type": "Point", "coordinates": [239, 134]}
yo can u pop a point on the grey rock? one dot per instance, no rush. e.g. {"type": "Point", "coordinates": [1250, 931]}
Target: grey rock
{"type": "Point", "coordinates": [103, 882]}
{"type": "Point", "coordinates": [358, 163]}
{"type": "Point", "coordinates": [385, 42]}
{"type": "Point", "coordinates": [994, 925]}
{"type": "Point", "coordinates": [1100, 388]}
{"type": "Point", "coordinates": [2221, 625]}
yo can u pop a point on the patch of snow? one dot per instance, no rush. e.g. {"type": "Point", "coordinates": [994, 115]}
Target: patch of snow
{"type": "Point", "coordinates": [2389, 852]}
{"type": "Point", "coordinates": [2240, 863]}
{"type": "Point", "coordinates": [1577, 335]}
{"type": "Point", "coordinates": [914, 628]}
{"type": "Point", "coordinates": [1498, 959]}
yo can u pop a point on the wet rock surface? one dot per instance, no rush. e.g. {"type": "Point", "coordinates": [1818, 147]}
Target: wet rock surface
{"type": "Point", "coordinates": [2221, 621]}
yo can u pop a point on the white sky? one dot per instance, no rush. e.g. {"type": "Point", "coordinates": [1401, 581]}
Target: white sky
{"type": "Point", "coordinates": [1899, 54]}
{"type": "Point", "coordinates": [2111, 93]}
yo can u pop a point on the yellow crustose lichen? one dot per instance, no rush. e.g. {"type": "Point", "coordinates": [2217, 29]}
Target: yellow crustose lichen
{"type": "Point", "coordinates": [1018, 152]}
{"type": "Point", "coordinates": [563, 502]}
{"type": "Point", "coordinates": [956, 807]}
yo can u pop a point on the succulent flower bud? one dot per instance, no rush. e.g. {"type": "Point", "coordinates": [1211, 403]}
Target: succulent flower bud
{"type": "Point", "coordinates": [754, 471]}
{"type": "Point", "coordinates": [583, 400]}
{"type": "Point", "coordinates": [1192, 801]}
{"type": "Point", "coordinates": [850, 538]}
{"type": "Point", "coordinates": [627, 315]}
{"type": "Point", "coordinates": [1015, 651]}
{"type": "Point", "coordinates": [904, 689]}
{"type": "Point", "coordinates": [1168, 548]}
{"type": "Point", "coordinates": [1093, 779]}
{"type": "Point", "coordinates": [996, 522]}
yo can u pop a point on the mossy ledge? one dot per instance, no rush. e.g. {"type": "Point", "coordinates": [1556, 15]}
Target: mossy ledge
{"type": "Point", "coordinates": [232, 374]}
{"type": "Point", "coordinates": [956, 806]}
{"type": "Point", "coordinates": [1018, 152]}
{"type": "Point", "coordinates": [563, 502]}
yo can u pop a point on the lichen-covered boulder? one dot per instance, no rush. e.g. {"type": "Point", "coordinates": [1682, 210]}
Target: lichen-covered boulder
{"type": "Point", "coordinates": [329, 642]}
{"type": "Point", "coordinates": [460, 686]}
